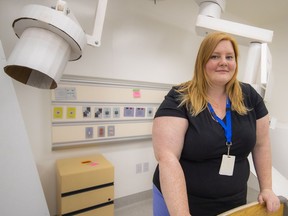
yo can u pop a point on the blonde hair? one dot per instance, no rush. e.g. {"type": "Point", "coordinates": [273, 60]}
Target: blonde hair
{"type": "Point", "coordinates": [193, 94]}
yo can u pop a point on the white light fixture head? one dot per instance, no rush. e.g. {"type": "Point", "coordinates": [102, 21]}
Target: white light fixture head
{"type": "Point", "coordinates": [211, 8]}
{"type": "Point", "coordinates": [208, 20]}
{"type": "Point", "coordinates": [47, 40]}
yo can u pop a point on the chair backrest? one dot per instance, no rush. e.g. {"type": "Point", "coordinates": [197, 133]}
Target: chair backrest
{"type": "Point", "coordinates": [255, 209]}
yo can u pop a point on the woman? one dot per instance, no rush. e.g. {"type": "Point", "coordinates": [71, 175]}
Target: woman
{"type": "Point", "coordinates": [202, 134]}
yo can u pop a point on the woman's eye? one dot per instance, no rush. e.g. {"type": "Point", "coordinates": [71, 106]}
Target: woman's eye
{"type": "Point", "coordinates": [230, 58]}
{"type": "Point", "coordinates": [215, 57]}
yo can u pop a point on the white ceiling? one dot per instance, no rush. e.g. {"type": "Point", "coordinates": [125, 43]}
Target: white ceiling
{"type": "Point", "coordinates": [259, 12]}
{"type": "Point", "coordinates": [181, 13]}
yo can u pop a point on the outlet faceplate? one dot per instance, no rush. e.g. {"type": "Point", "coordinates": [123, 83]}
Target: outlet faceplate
{"type": "Point", "coordinates": [146, 167]}
{"type": "Point", "coordinates": [89, 132]}
{"type": "Point", "coordinates": [101, 131]}
{"type": "Point", "coordinates": [138, 168]}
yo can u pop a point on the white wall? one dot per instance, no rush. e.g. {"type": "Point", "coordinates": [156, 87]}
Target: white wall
{"type": "Point", "coordinates": [279, 48]}
{"type": "Point", "coordinates": [134, 47]}
{"type": "Point", "coordinates": [18, 169]}
{"type": "Point", "coordinates": [137, 47]}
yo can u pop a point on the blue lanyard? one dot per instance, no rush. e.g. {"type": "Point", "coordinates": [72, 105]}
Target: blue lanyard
{"type": "Point", "coordinates": [228, 126]}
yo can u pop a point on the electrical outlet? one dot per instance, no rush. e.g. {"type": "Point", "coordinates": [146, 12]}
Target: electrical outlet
{"type": "Point", "coordinates": [71, 113]}
{"type": "Point", "coordinates": [71, 93]}
{"type": "Point", "coordinates": [89, 132]}
{"type": "Point", "coordinates": [98, 112]}
{"type": "Point", "coordinates": [101, 131]}
{"type": "Point", "coordinates": [58, 113]}
{"type": "Point", "coordinates": [86, 112]}
{"type": "Point", "coordinates": [128, 111]}
{"type": "Point", "coordinates": [116, 112]}
{"type": "Point", "coordinates": [138, 168]}
{"type": "Point", "coordinates": [150, 112]}
{"type": "Point", "coordinates": [107, 112]}
{"type": "Point", "coordinates": [111, 130]}
{"type": "Point", "coordinates": [146, 167]}
{"type": "Point", "coordinates": [140, 112]}
{"type": "Point", "coordinates": [67, 93]}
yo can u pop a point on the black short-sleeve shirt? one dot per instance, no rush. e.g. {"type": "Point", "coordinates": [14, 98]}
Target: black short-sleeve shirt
{"type": "Point", "coordinates": [210, 193]}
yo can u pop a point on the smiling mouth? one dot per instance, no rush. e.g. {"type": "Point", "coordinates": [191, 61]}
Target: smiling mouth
{"type": "Point", "coordinates": [222, 71]}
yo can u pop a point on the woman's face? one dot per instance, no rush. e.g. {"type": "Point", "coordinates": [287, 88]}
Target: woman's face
{"type": "Point", "coordinates": [221, 66]}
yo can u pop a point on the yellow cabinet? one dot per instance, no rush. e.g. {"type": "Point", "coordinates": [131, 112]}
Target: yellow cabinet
{"type": "Point", "coordinates": [85, 186]}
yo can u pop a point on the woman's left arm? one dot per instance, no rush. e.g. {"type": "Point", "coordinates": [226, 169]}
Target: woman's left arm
{"type": "Point", "coordinates": [263, 165]}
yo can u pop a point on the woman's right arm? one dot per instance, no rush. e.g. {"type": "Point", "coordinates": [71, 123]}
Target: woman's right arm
{"type": "Point", "coordinates": [168, 138]}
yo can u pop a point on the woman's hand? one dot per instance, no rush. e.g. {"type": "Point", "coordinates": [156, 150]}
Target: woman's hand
{"type": "Point", "coordinates": [268, 197]}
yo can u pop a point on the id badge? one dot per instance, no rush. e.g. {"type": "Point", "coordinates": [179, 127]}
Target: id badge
{"type": "Point", "coordinates": [227, 165]}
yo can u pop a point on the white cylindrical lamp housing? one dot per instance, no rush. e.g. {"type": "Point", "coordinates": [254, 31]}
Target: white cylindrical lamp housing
{"type": "Point", "coordinates": [252, 70]}
{"type": "Point", "coordinates": [211, 8]}
{"type": "Point", "coordinates": [48, 39]}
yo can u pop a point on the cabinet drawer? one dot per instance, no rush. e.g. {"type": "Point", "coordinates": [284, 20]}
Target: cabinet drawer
{"type": "Point", "coordinates": [86, 199]}
{"type": "Point", "coordinates": [102, 211]}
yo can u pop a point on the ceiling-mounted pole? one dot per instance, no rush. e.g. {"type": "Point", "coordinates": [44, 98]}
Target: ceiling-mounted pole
{"type": "Point", "coordinates": [95, 38]}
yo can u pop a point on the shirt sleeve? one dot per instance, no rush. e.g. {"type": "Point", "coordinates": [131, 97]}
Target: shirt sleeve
{"type": "Point", "coordinates": [170, 105]}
